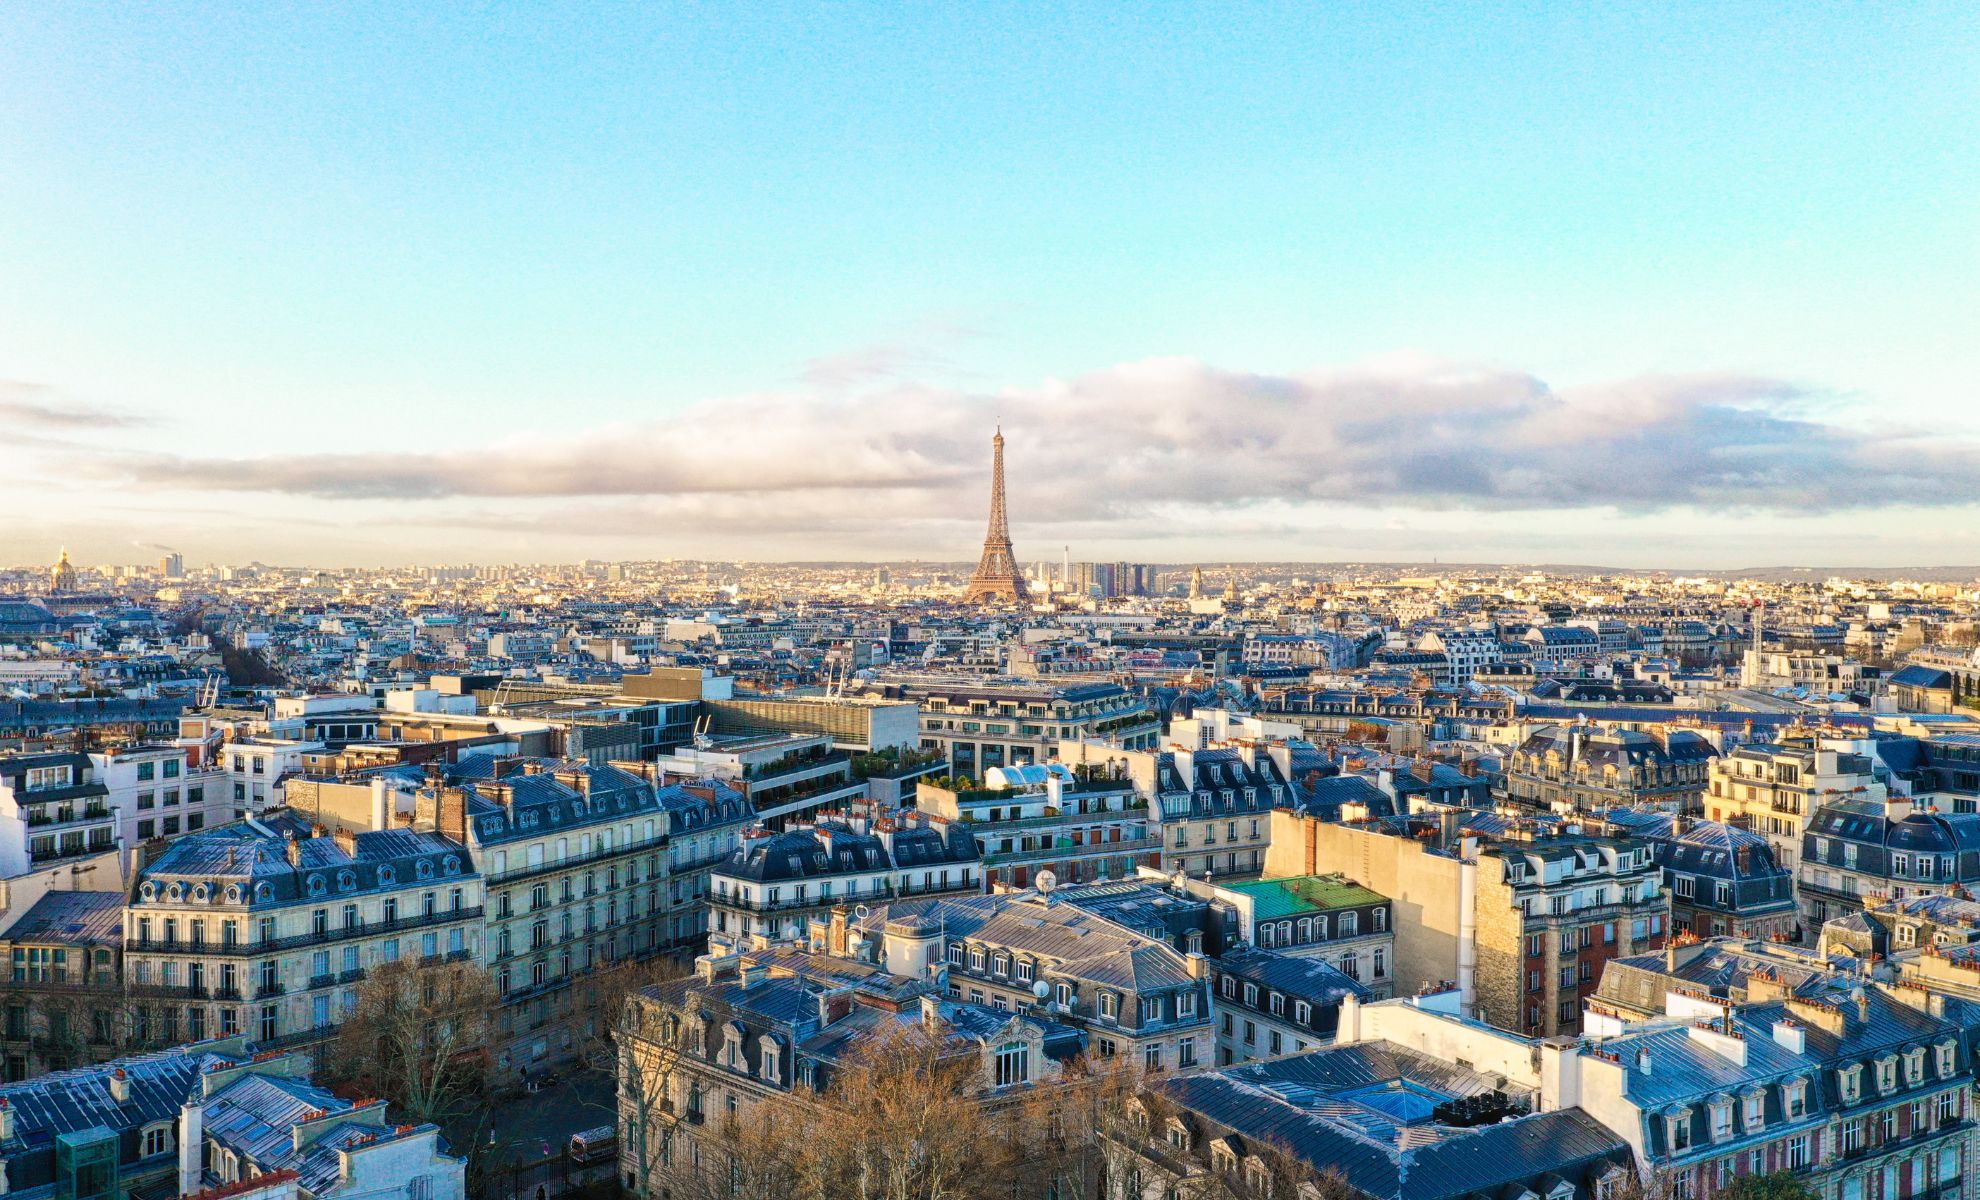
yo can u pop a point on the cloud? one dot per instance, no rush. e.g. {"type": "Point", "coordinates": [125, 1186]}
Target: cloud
{"type": "Point", "coordinates": [37, 405]}
{"type": "Point", "coordinates": [1171, 441]}
{"type": "Point", "coordinates": [916, 351]}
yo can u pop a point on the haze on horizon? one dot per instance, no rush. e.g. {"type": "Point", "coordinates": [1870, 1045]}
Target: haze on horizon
{"type": "Point", "coordinates": [1643, 288]}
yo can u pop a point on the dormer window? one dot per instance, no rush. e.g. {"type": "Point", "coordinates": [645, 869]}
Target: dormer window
{"type": "Point", "coordinates": [1178, 1134]}
{"type": "Point", "coordinates": [1754, 1106]}
{"type": "Point", "coordinates": [1850, 1081]}
{"type": "Point", "coordinates": [956, 953]}
{"type": "Point", "coordinates": [1887, 1075]}
{"type": "Point", "coordinates": [1914, 1067]}
{"type": "Point", "coordinates": [1025, 971]}
{"type": "Point", "coordinates": [772, 1059]}
{"type": "Point", "coordinates": [1794, 1096]}
{"type": "Point", "coordinates": [1110, 1005]}
{"type": "Point", "coordinates": [1677, 1130]}
{"type": "Point", "coordinates": [976, 958]}
{"type": "Point", "coordinates": [1948, 1055]}
{"type": "Point", "coordinates": [1722, 1118]}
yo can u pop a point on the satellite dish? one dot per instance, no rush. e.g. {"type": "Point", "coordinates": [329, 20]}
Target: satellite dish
{"type": "Point", "coordinates": [1047, 880]}
{"type": "Point", "coordinates": [1041, 989]}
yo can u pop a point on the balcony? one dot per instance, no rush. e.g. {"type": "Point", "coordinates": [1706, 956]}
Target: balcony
{"type": "Point", "coordinates": [576, 860]}
{"type": "Point", "coordinates": [269, 990]}
{"type": "Point", "coordinates": [792, 903]}
{"type": "Point", "coordinates": [1070, 850]}
{"type": "Point", "coordinates": [168, 991]}
{"type": "Point", "coordinates": [343, 933]}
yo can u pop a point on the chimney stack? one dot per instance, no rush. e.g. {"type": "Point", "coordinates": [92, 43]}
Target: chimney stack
{"type": "Point", "coordinates": [120, 1086]}
{"type": "Point", "coordinates": [931, 1012]}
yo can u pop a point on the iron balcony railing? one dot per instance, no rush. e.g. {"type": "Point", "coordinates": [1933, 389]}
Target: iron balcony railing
{"type": "Point", "coordinates": [342, 933]}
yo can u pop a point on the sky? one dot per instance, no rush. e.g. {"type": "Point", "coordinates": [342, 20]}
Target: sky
{"type": "Point", "coordinates": [1679, 285]}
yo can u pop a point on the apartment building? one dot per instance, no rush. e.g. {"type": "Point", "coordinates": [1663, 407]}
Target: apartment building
{"type": "Point", "coordinates": [784, 775]}
{"type": "Point", "coordinates": [1083, 826]}
{"type": "Point", "coordinates": [978, 724]}
{"type": "Point", "coordinates": [1589, 768]}
{"type": "Point", "coordinates": [1130, 993]}
{"type": "Point", "coordinates": [1326, 917]}
{"type": "Point", "coordinates": [265, 927]}
{"type": "Point", "coordinates": [769, 1022]}
{"type": "Point", "coordinates": [258, 766]}
{"type": "Point", "coordinates": [1857, 851]}
{"type": "Point", "coordinates": [160, 790]}
{"type": "Point", "coordinates": [209, 1121]}
{"type": "Point", "coordinates": [1774, 790]}
{"type": "Point", "coordinates": [573, 857]}
{"type": "Point", "coordinates": [705, 822]}
{"type": "Point", "coordinates": [1522, 918]}
{"type": "Point", "coordinates": [62, 986]}
{"type": "Point", "coordinates": [1722, 878]}
{"type": "Point", "coordinates": [1211, 807]}
{"type": "Point", "coordinates": [1271, 1004]}
{"type": "Point", "coordinates": [776, 885]}
{"type": "Point", "coordinates": [53, 808]}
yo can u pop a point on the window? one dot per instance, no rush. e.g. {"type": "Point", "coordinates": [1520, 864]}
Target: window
{"type": "Point", "coordinates": [1013, 1064]}
{"type": "Point", "coordinates": [157, 1140]}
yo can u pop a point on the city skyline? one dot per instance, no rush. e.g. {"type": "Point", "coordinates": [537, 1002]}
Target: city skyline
{"type": "Point", "coordinates": [1643, 289]}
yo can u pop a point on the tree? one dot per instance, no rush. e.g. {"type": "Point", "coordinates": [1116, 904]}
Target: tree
{"type": "Point", "coordinates": [644, 1052]}
{"type": "Point", "coordinates": [1778, 1185]}
{"type": "Point", "coordinates": [418, 1036]}
{"type": "Point", "coordinates": [902, 1120]}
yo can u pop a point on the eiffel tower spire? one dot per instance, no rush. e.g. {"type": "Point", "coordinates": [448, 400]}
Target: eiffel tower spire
{"type": "Point", "coordinates": [997, 578]}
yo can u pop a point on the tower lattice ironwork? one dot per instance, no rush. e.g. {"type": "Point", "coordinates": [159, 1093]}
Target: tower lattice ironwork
{"type": "Point", "coordinates": [997, 578]}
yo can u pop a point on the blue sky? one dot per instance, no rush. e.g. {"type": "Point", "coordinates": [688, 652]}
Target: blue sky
{"type": "Point", "coordinates": [272, 244]}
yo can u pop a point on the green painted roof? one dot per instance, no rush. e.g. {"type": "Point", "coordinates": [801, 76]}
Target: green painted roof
{"type": "Point", "coordinates": [1304, 894]}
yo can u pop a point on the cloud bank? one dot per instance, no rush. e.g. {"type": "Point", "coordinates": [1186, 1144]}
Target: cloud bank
{"type": "Point", "coordinates": [1125, 444]}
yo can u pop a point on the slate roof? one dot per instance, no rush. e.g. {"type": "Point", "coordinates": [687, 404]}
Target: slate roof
{"type": "Point", "coordinates": [254, 857]}
{"type": "Point", "coordinates": [1323, 797]}
{"type": "Point", "coordinates": [1076, 944]}
{"type": "Point", "coordinates": [1315, 1106]}
{"type": "Point", "coordinates": [545, 795]}
{"type": "Point", "coordinates": [74, 918]}
{"type": "Point", "coordinates": [1298, 976]}
{"type": "Point", "coordinates": [832, 847]}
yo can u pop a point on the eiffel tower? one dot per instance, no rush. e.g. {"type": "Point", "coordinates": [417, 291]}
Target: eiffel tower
{"type": "Point", "coordinates": [997, 579]}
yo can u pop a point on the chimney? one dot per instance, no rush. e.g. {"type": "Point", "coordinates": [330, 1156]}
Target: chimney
{"type": "Point", "coordinates": [346, 841]}
{"type": "Point", "coordinates": [295, 851]}
{"type": "Point", "coordinates": [1791, 1037]}
{"type": "Point", "coordinates": [1862, 1007]}
{"type": "Point", "coordinates": [931, 1012]}
{"type": "Point", "coordinates": [1199, 966]}
{"type": "Point", "coordinates": [749, 975]}
{"type": "Point", "coordinates": [120, 1086]}
{"type": "Point", "coordinates": [1643, 1060]}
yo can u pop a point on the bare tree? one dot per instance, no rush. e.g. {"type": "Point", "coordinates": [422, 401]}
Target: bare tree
{"type": "Point", "coordinates": [903, 1120]}
{"type": "Point", "coordinates": [648, 1042]}
{"type": "Point", "coordinates": [418, 1036]}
